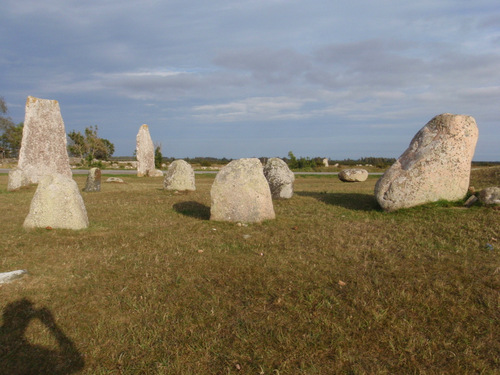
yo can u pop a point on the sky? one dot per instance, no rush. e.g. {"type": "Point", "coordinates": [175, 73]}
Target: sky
{"type": "Point", "coordinates": [252, 78]}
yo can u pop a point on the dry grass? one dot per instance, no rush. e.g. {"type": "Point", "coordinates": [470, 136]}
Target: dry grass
{"type": "Point", "coordinates": [333, 285]}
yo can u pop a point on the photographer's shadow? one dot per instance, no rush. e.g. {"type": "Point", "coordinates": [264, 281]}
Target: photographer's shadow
{"type": "Point", "coordinates": [19, 356]}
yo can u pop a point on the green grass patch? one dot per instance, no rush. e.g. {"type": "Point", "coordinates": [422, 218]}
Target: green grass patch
{"type": "Point", "coordinates": [333, 285]}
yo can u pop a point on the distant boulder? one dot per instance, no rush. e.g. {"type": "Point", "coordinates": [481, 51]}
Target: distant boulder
{"type": "Point", "coordinates": [280, 178]}
{"type": "Point", "coordinates": [490, 196]}
{"type": "Point", "coordinates": [240, 193]}
{"type": "Point", "coordinates": [353, 175]}
{"type": "Point", "coordinates": [435, 166]}
{"type": "Point", "coordinates": [93, 183]}
{"type": "Point", "coordinates": [180, 176]}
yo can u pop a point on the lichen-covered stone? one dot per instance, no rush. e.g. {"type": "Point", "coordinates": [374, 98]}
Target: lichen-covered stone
{"type": "Point", "coordinates": [240, 193]}
{"type": "Point", "coordinates": [280, 178]}
{"type": "Point", "coordinates": [490, 196]}
{"type": "Point", "coordinates": [57, 203]}
{"type": "Point", "coordinates": [435, 166]}
{"type": "Point", "coordinates": [93, 183]}
{"type": "Point", "coordinates": [353, 175]}
{"type": "Point", "coordinates": [180, 176]}
{"type": "Point", "coordinates": [145, 152]}
{"type": "Point", "coordinates": [43, 146]}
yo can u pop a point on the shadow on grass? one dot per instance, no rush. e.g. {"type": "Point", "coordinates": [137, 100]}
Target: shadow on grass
{"type": "Point", "coordinates": [193, 209]}
{"type": "Point", "coordinates": [19, 356]}
{"type": "Point", "coordinates": [351, 201]}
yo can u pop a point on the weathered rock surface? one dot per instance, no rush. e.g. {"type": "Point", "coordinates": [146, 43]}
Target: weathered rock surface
{"type": "Point", "coordinates": [180, 176]}
{"type": "Point", "coordinates": [43, 146]}
{"type": "Point", "coordinates": [280, 178]}
{"type": "Point", "coordinates": [490, 195]}
{"type": "Point", "coordinates": [435, 166]}
{"type": "Point", "coordinates": [93, 183]}
{"type": "Point", "coordinates": [145, 152]}
{"type": "Point", "coordinates": [57, 203]}
{"type": "Point", "coordinates": [353, 175]}
{"type": "Point", "coordinates": [8, 277]}
{"type": "Point", "coordinates": [240, 193]}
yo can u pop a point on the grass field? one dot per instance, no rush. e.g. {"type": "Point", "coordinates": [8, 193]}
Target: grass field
{"type": "Point", "coordinates": [333, 285]}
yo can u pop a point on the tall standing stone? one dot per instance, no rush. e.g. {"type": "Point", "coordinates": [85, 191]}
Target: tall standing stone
{"type": "Point", "coordinates": [43, 146]}
{"type": "Point", "coordinates": [93, 183]}
{"type": "Point", "coordinates": [280, 178]}
{"type": "Point", "coordinates": [240, 193]}
{"type": "Point", "coordinates": [145, 153]}
{"type": "Point", "coordinates": [435, 166]}
{"type": "Point", "coordinates": [180, 176]}
{"type": "Point", "coordinates": [57, 203]}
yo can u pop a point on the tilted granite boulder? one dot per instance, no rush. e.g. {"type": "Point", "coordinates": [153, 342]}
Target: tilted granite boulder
{"type": "Point", "coordinates": [57, 203]}
{"type": "Point", "coordinates": [435, 166]}
{"type": "Point", "coordinates": [43, 145]}
{"type": "Point", "coordinates": [353, 175]}
{"type": "Point", "coordinates": [240, 193]}
{"type": "Point", "coordinates": [180, 176]}
{"type": "Point", "coordinates": [280, 178]}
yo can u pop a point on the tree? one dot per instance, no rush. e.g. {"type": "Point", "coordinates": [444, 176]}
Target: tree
{"type": "Point", "coordinates": [7, 126]}
{"type": "Point", "coordinates": [10, 140]}
{"type": "Point", "coordinates": [89, 146]}
{"type": "Point", "coordinates": [158, 157]}
{"type": "Point", "coordinates": [5, 121]}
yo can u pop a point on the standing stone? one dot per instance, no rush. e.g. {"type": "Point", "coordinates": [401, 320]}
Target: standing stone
{"type": "Point", "coordinates": [490, 195]}
{"type": "Point", "coordinates": [435, 166]}
{"type": "Point", "coordinates": [145, 153]}
{"type": "Point", "coordinates": [93, 180]}
{"type": "Point", "coordinates": [280, 178]}
{"type": "Point", "coordinates": [57, 203]}
{"type": "Point", "coordinates": [353, 175]}
{"type": "Point", "coordinates": [240, 193]}
{"type": "Point", "coordinates": [325, 162]}
{"type": "Point", "coordinates": [43, 146]}
{"type": "Point", "coordinates": [180, 176]}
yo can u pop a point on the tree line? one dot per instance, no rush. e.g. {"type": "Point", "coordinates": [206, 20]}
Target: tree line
{"type": "Point", "coordinates": [89, 147]}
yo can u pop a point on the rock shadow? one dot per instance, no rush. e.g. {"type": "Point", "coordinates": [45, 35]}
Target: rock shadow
{"type": "Point", "coordinates": [193, 209]}
{"type": "Point", "coordinates": [351, 201]}
{"type": "Point", "coordinates": [19, 356]}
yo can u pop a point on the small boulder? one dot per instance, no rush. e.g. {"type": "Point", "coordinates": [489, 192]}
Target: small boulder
{"type": "Point", "coordinates": [435, 166]}
{"type": "Point", "coordinates": [8, 277]}
{"type": "Point", "coordinates": [155, 173]}
{"type": "Point", "coordinates": [280, 178]}
{"type": "Point", "coordinates": [180, 176]}
{"type": "Point", "coordinates": [240, 193]}
{"type": "Point", "coordinates": [57, 203]}
{"type": "Point", "coordinates": [115, 180]}
{"type": "Point", "coordinates": [93, 183]}
{"type": "Point", "coordinates": [353, 175]}
{"type": "Point", "coordinates": [490, 196]}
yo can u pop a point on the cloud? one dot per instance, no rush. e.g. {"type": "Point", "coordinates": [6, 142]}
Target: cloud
{"type": "Point", "coordinates": [251, 109]}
